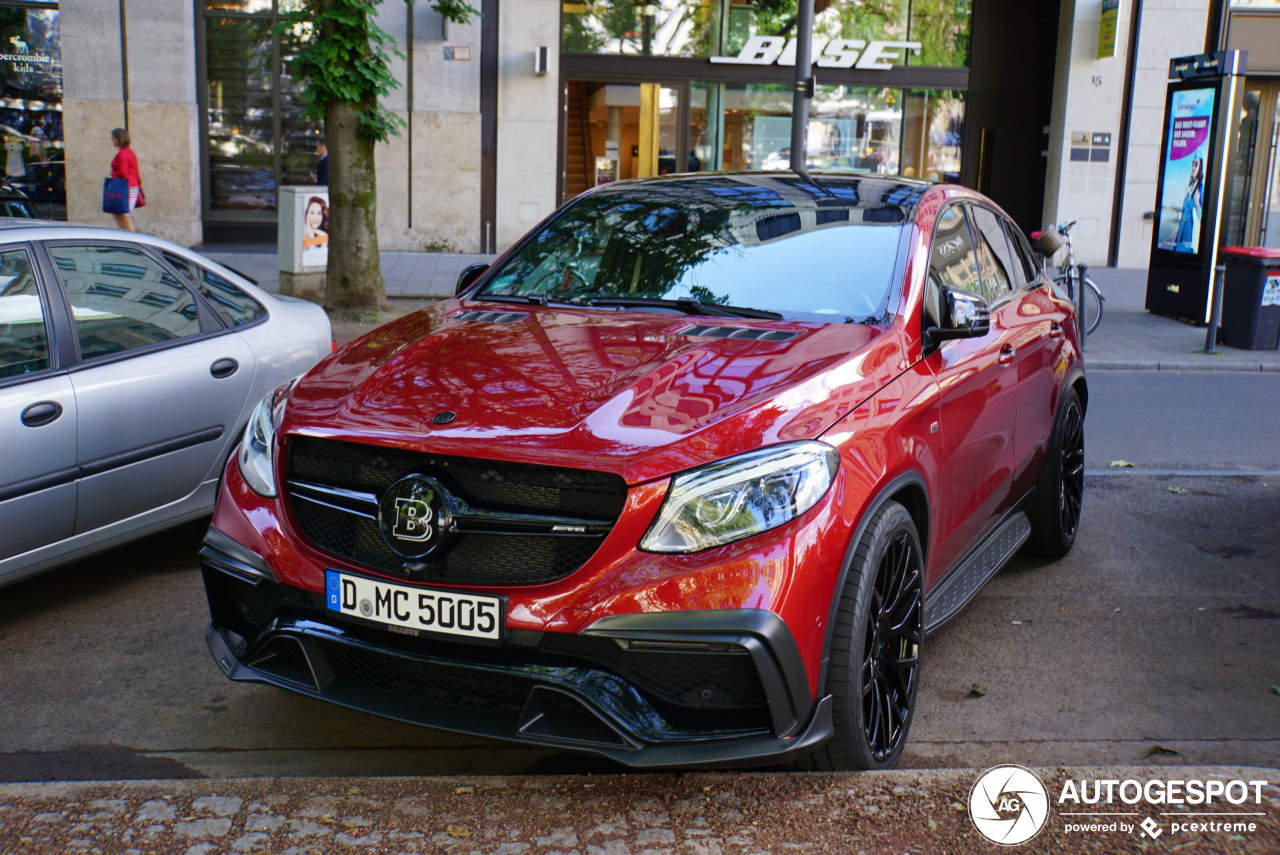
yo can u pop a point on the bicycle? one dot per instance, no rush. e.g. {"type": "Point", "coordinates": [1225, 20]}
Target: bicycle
{"type": "Point", "coordinates": [1090, 304]}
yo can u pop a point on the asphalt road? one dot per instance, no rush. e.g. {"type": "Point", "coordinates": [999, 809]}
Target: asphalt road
{"type": "Point", "coordinates": [1153, 642]}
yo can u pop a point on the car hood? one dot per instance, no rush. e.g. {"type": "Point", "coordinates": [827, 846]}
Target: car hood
{"type": "Point", "coordinates": [640, 394]}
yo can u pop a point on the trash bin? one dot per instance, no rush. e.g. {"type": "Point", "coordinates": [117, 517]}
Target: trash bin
{"type": "Point", "coordinates": [1251, 298]}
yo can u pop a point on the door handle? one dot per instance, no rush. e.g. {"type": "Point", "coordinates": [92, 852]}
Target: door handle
{"type": "Point", "coordinates": [1055, 330]}
{"type": "Point", "coordinates": [1007, 353]}
{"type": "Point", "coordinates": [41, 414]}
{"type": "Point", "coordinates": [224, 368]}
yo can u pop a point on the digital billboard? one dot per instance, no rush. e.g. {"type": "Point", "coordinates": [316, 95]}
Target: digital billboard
{"type": "Point", "coordinates": [1186, 162]}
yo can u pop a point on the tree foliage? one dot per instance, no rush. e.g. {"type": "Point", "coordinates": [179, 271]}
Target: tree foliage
{"type": "Point", "coordinates": [344, 66]}
{"type": "Point", "coordinates": [347, 58]}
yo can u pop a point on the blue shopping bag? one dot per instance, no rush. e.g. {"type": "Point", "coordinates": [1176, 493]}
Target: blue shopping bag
{"type": "Point", "coordinates": [115, 195]}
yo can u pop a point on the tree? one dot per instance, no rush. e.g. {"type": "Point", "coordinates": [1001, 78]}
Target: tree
{"type": "Point", "coordinates": [345, 70]}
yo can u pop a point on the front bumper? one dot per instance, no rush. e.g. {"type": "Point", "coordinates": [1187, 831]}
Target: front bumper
{"type": "Point", "coordinates": [659, 689]}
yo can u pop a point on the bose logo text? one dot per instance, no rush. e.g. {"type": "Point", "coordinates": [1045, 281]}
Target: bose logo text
{"type": "Point", "coordinates": [837, 53]}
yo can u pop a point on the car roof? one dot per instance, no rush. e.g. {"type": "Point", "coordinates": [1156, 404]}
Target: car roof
{"type": "Point", "coordinates": [20, 228]}
{"type": "Point", "coordinates": [14, 229]}
{"type": "Point", "coordinates": [766, 189]}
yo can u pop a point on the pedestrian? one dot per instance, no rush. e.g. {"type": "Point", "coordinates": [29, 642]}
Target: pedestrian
{"type": "Point", "coordinates": [125, 165]}
{"type": "Point", "coordinates": [322, 168]}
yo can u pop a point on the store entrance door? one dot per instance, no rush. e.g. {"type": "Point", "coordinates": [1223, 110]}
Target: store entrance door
{"type": "Point", "coordinates": [616, 130]}
{"type": "Point", "coordinates": [1253, 213]}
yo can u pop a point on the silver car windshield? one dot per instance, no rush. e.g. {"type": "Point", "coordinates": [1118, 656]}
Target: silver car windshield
{"type": "Point", "coordinates": [782, 250]}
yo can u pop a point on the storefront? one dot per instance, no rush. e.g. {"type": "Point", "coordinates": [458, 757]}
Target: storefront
{"type": "Point", "coordinates": [1253, 211]}
{"type": "Point", "coordinates": [692, 85]}
{"type": "Point", "coordinates": [254, 138]}
{"type": "Point", "coordinates": [31, 102]}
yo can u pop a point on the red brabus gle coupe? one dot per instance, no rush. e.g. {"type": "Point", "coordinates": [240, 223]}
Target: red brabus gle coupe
{"type": "Point", "coordinates": [684, 478]}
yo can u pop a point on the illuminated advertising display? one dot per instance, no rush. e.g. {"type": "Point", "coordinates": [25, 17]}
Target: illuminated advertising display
{"type": "Point", "coordinates": [1185, 167]}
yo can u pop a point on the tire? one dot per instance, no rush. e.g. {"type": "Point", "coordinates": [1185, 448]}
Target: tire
{"type": "Point", "coordinates": [874, 670]}
{"type": "Point", "coordinates": [1055, 516]}
{"type": "Point", "coordinates": [1093, 301]}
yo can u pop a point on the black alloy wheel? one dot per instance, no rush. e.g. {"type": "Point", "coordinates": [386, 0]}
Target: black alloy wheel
{"type": "Point", "coordinates": [874, 674]}
{"type": "Point", "coordinates": [1055, 517]}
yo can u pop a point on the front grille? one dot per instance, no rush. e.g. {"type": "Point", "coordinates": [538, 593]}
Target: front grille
{"type": "Point", "coordinates": [477, 558]}
{"type": "Point", "coordinates": [491, 484]}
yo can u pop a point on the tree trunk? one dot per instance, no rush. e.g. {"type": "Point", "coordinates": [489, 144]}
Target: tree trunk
{"type": "Point", "coordinates": [354, 278]}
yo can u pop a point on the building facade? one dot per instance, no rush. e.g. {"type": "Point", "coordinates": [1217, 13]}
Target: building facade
{"type": "Point", "coordinates": [1054, 108]}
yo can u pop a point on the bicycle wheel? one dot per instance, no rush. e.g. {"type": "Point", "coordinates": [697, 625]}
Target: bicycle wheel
{"type": "Point", "coordinates": [1065, 286]}
{"type": "Point", "coordinates": [1093, 300]}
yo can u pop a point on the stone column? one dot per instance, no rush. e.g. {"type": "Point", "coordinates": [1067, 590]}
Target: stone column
{"type": "Point", "coordinates": [155, 43]}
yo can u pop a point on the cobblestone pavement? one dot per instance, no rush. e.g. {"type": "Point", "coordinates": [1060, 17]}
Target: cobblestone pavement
{"type": "Point", "coordinates": [643, 814]}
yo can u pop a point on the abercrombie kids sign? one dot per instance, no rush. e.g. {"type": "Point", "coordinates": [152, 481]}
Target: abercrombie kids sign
{"type": "Point", "coordinates": [836, 53]}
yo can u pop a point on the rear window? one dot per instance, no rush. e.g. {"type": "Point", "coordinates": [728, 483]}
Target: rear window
{"type": "Point", "coordinates": [234, 306]}
{"type": "Point", "coordinates": [807, 254]}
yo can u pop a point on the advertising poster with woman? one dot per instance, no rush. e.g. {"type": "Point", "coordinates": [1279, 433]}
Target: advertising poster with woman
{"type": "Point", "coordinates": [1185, 164]}
{"type": "Point", "coordinates": [315, 229]}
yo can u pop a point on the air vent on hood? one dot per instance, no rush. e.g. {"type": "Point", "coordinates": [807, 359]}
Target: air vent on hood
{"type": "Point", "coordinates": [491, 317]}
{"type": "Point", "coordinates": [739, 332]}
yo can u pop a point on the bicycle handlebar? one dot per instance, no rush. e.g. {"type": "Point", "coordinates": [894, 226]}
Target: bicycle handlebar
{"type": "Point", "coordinates": [1066, 227]}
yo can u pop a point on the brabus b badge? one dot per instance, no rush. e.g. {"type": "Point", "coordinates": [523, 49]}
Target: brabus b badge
{"type": "Point", "coordinates": [411, 514]}
{"type": "Point", "coordinates": [413, 520]}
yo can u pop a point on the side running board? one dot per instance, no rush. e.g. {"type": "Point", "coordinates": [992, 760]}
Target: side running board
{"type": "Point", "coordinates": [963, 583]}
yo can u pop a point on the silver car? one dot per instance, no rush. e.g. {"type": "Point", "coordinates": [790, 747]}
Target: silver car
{"type": "Point", "coordinates": [128, 369]}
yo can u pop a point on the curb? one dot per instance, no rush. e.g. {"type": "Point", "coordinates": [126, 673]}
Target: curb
{"type": "Point", "coordinates": [1160, 365]}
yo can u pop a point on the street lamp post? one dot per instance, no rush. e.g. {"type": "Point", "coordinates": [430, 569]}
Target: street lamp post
{"type": "Point", "coordinates": [804, 86]}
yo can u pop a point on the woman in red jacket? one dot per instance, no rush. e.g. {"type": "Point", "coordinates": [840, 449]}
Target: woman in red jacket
{"type": "Point", "coordinates": [125, 165]}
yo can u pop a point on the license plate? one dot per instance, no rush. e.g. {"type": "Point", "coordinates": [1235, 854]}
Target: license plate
{"type": "Point", "coordinates": [425, 609]}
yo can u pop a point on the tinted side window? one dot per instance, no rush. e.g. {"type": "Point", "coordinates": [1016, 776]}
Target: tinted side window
{"type": "Point", "coordinates": [234, 306]}
{"type": "Point", "coordinates": [951, 259]}
{"type": "Point", "coordinates": [952, 263]}
{"type": "Point", "coordinates": [24, 341]}
{"type": "Point", "coordinates": [1022, 249]}
{"type": "Point", "coordinates": [122, 299]}
{"type": "Point", "coordinates": [993, 254]}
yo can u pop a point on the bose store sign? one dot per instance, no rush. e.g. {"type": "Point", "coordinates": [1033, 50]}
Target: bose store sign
{"type": "Point", "coordinates": [837, 53]}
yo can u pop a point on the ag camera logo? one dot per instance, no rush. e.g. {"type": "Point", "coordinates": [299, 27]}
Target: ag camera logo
{"type": "Point", "coordinates": [1009, 805]}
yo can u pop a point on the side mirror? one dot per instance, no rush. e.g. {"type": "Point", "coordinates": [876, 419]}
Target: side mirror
{"type": "Point", "coordinates": [468, 276]}
{"type": "Point", "coordinates": [964, 315]}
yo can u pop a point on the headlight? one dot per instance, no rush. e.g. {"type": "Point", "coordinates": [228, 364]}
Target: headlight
{"type": "Point", "coordinates": [741, 496]}
{"type": "Point", "coordinates": [257, 456]}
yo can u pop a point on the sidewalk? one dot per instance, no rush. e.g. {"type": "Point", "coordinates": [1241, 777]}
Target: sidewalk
{"type": "Point", "coordinates": [698, 813]}
{"type": "Point", "coordinates": [1129, 337]}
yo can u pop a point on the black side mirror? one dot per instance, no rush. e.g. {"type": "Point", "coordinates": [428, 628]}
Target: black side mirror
{"type": "Point", "coordinates": [468, 276]}
{"type": "Point", "coordinates": [964, 315]}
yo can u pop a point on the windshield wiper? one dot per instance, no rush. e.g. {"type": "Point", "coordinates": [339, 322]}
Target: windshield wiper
{"type": "Point", "coordinates": [525, 299]}
{"type": "Point", "coordinates": [688, 305]}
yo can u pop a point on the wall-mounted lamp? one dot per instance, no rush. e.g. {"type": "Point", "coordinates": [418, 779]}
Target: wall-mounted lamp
{"type": "Point", "coordinates": [540, 59]}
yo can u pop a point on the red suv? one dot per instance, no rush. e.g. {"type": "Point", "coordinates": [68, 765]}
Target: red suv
{"type": "Point", "coordinates": [686, 477]}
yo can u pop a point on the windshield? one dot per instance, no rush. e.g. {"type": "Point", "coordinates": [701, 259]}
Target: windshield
{"type": "Point", "coordinates": [777, 246]}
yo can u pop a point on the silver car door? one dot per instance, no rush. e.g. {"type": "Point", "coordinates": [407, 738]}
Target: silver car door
{"type": "Point", "coordinates": [37, 419]}
{"type": "Point", "coordinates": [159, 391]}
